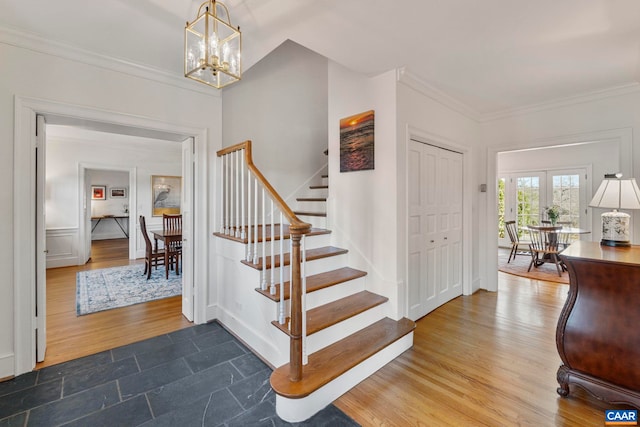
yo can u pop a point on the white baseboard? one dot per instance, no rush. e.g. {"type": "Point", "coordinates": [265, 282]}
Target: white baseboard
{"type": "Point", "coordinates": [7, 365]}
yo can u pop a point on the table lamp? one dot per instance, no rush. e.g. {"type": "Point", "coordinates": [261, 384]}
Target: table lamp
{"type": "Point", "coordinates": [616, 193]}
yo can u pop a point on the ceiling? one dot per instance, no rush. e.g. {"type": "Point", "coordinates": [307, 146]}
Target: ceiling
{"type": "Point", "coordinates": [490, 55]}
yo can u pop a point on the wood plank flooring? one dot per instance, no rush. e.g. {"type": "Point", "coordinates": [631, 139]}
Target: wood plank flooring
{"type": "Point", "coordinates": [483, 360]}
{"type": "Point", "coordinates": [486, 359]}
{"type": "Point", "coordinates": [70, 336]}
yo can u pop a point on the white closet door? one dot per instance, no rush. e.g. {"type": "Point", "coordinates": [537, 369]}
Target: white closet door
{"type": "Point", "coordinates": [434, 227]}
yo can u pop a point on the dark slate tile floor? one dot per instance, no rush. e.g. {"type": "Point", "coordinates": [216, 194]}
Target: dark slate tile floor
{"type": "Point", "coordinates": [199, 376]}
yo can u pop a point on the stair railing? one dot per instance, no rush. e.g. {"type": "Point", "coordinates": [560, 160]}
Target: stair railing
{"type": "Point", "coordinates": [246, 198]}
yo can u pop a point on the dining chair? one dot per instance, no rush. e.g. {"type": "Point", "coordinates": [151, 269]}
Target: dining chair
{"type": "Point", "coordinates": [152, 257]}
{"type": "Point", "coordinates": [173, 223]}
{"type": "Point", "coordinates": [544, 248]}
{"type": "Point", "coordinates": [564, 239]}
{"type": "Point", "coordinates": [512, 230]}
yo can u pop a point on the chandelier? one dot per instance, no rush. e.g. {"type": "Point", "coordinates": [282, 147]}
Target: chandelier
{"type": "Point", "coordinates": [212, 47]}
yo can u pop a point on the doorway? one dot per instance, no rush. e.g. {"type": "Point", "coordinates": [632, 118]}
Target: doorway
{"type": "Point", "coordinates": [27, 287]}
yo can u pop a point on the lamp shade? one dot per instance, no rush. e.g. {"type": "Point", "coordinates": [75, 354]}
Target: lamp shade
{"type": "Point", "coordinates": [615, 193]}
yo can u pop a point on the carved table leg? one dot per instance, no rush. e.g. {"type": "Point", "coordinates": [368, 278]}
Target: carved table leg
{"type": "Point", "coordinates": [563, 380]}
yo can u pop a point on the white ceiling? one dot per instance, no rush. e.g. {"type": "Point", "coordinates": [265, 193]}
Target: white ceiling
{"type": "Point", "coordinates": [491, 55]}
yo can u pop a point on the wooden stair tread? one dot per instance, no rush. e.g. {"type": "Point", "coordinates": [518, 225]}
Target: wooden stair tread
{"type": "Point", "coordinates": [327, 315]}
{"type": "Point", "coordinates": [287, 235]}
{"type": "Point", "coordinates": [324, 176]}
{"type": "Point", "coordinates": [318, 281]}
{"type": "Point", "coordinates": [350, 351]}
{"type": "Point", "coordinates": [311, 254]}
{"type": "Point", "coordinates": [317, 187]}
{"type": "Point", "coordinates": [301, 213]}
{"type": "Point", "coordinates": [311, 199]}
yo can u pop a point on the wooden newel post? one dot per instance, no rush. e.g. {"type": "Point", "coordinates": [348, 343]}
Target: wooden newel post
{"type": "Point", "coordinates": [295, 355]}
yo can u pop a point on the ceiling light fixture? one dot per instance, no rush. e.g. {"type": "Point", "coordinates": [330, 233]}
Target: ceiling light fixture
{"type": "Point", "coordinates": [212, 47]}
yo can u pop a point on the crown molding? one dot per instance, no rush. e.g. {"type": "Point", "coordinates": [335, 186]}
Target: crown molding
{"type": "Point", "coordinates": [61, 50]}
{"type": "Point", "coordinates": [406, 77]}
{"type": "Point", "coordinates": [564, 102]}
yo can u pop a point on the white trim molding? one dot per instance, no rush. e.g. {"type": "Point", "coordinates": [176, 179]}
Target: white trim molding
{"type": "Point", "coordinates": [49, 47]}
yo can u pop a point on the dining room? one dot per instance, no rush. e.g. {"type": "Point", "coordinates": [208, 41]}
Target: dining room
{"type": "Point", "coordinates": [551, 184]}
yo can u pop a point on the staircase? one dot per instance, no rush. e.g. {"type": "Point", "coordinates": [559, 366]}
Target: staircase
{"type": "Point", "coordinates": [347, 334]}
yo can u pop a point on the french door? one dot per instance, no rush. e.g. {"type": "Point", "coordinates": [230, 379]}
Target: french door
{"type": "Point", "coordinates": [523, 196]}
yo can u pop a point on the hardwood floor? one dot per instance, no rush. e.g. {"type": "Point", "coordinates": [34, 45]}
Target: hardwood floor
{"type": "Point", "coordinates": [486, 359]}
{"type": "Point", "coordinates": [70, 336]}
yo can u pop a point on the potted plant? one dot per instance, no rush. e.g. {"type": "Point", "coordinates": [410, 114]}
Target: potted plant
{"type": "Point", "coordinates": [553, 213]}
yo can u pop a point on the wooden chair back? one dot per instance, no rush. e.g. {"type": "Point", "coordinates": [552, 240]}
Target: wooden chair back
{"type": "Point", "coordinates": [171, 222]}
{"type": "Point", "coordinates": [143, 230]}
{"type": "Point", "coordinates": [512, 230]}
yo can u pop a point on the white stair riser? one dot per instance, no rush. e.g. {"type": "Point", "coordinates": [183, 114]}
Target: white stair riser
{"type": "Point", "coordinates": [311, 267]}
{"type": "Point", "coordinates": [311, 242]}
{"type": "Point", "coordinates": [311, 206]}
{"type": "Point", "coordinates": [315, 221]}
{"type": "Point", "coordinates": [335, 292]}
{"type": "Point", "coordinates": [316, 192]}
{"type": "Point", "coordinates": [343, 329]}
{"type": "Point", "coordinates": [325, 181]}
{"type": "Point", "coordinates": [297, 410]}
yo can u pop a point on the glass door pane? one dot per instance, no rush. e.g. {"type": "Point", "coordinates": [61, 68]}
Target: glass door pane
{"type": "Point", "coordinates": [529, 200]}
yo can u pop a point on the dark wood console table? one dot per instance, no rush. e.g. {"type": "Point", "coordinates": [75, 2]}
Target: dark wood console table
{"type": "Point", "coordinates": [598, 334]}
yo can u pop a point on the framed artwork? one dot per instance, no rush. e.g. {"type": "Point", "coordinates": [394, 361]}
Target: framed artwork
{"type": "Point", "coordinates": [98, 192]}
{"type": "Point", "coordinates": [356, 142]}
{"type": "Point", "coordinates": [117, 193]}
{"type": "Point", "coordinates": [166, 193]}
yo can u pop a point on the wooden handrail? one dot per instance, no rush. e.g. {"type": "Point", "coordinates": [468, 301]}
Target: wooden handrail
{"type": "Point", "coordinates": [295, 225]}
{"type": "Point", "coordinates": [297, 229]}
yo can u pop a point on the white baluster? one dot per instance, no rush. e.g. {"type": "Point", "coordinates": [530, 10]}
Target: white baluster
{"type": "Point", "coordinates": [242, 214]}
{"type": "Point", "coordinates": [249, 215]}
{"type": "Point", "coordinates": [264, 242]}
{"type": "Point", "coordinates": [228, 196]}
{"type": "Point", "coordinates": [303, 274]}
{"type": "Point", "coordinates": [222, 184]}
{"type": "Point", "coordinates": [234, 194]}
{"type": "Point", "coordinates": [238, 213]}
{"type": "Point", "coordinates": [272, 289]}
{"type": "Point", "coordinates": [282, 315]}
{"type": "Point", "coordinates": [255, 223]}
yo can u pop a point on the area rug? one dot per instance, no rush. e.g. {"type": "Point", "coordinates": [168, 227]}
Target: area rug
{"type": "Point", "coordinates": [520, 264]}
{"type": "Point", "coordinates": [107, 288]}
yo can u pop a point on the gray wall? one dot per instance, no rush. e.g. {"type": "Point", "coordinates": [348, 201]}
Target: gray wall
{"type": "Point", "coordinates": [281, 105]}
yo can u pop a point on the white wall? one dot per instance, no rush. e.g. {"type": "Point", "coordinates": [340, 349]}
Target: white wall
{"type": "Point", "coordinates": [100, 153]}
{"type": "Point", "coordinates": [362, 203]}
{"type": "Point", "coordinates": [419, 115]}
{"type": "Point", "coordinates": [27, 73]}
{"type": "Point", "coordinates": [281, 106]}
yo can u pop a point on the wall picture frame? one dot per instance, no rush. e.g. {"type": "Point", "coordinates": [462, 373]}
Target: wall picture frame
{"type": "Point", "coordinates": [357, 142]}
{"type": "Point", "coordinates": [98, 192]}
{"type": "Point", "coordinates": [118, 193]}
{"type": "Point", "coordinates": [166, 195]}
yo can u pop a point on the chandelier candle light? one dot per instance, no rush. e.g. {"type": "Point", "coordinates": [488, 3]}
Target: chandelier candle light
{"type": "Point", "coordinates": [212, 47]}
{"type": "Point", "coordinates": [615, 193]}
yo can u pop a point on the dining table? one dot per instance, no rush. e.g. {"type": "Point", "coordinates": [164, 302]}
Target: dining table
{"type": "Point", "coordinates": [167, 237]}
{"type": "Point", "coordinates": [553, 232]}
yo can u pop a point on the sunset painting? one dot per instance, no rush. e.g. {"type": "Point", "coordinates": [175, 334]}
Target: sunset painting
{"type": "Point", "coordinates": [356, 142]}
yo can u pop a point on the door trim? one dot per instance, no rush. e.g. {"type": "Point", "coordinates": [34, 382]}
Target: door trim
{"type": "Point", "coordinates": [24, 265]}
